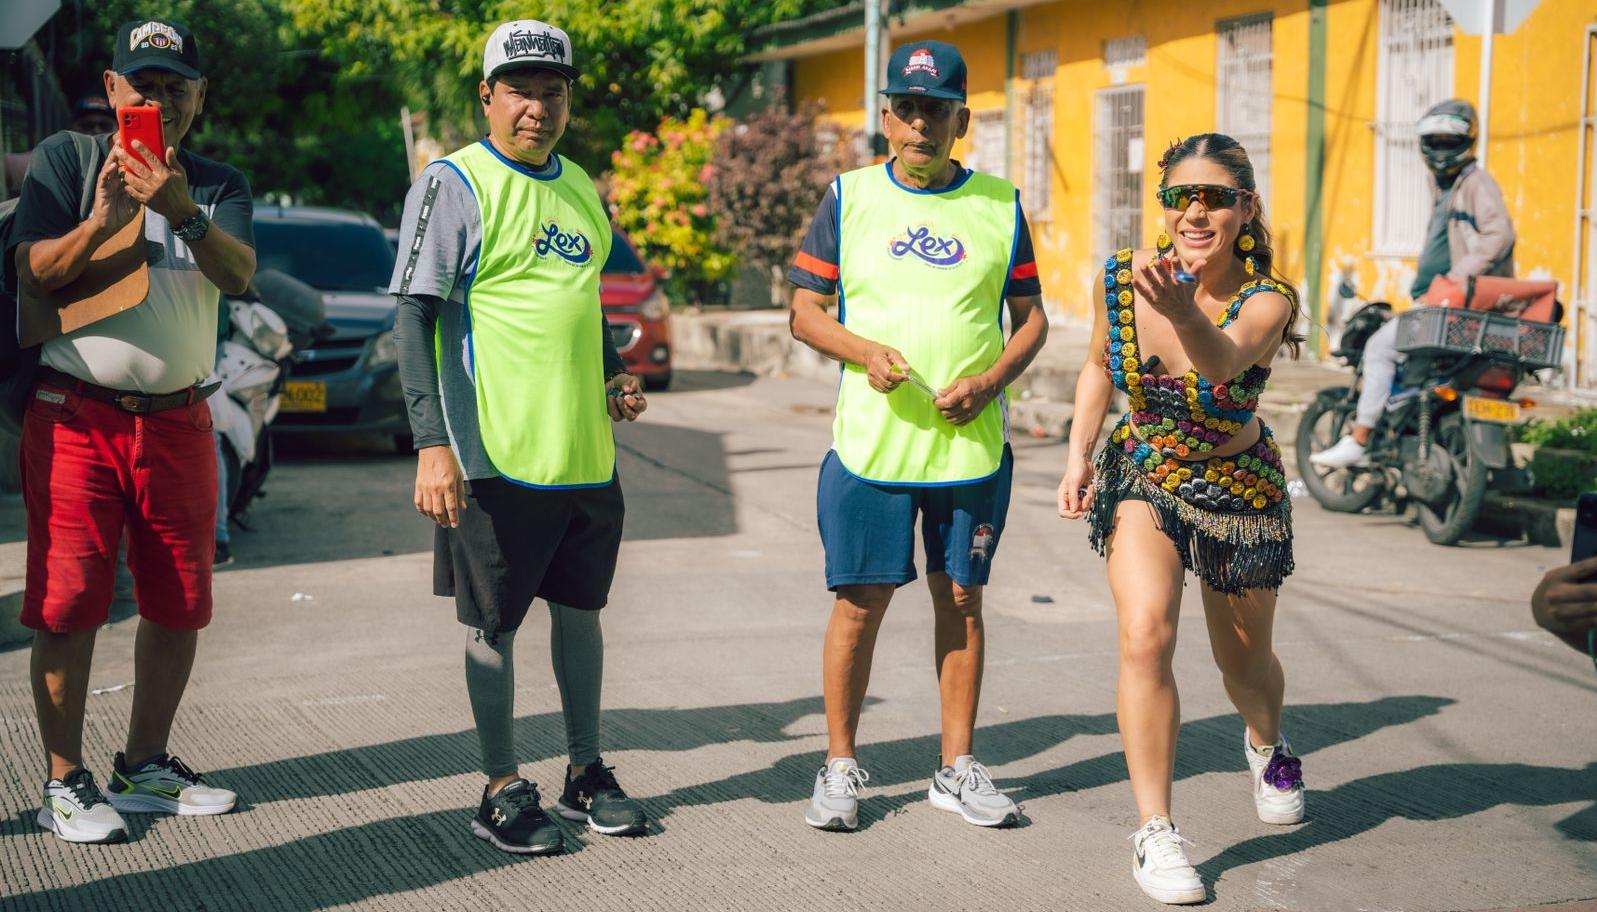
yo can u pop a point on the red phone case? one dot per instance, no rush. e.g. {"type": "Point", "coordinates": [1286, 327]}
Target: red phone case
{"type": "Point", "coordinates": [144, 125]}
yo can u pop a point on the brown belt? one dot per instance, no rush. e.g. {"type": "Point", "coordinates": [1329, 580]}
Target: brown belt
{"type": "Point", "coordinates": [136, 403]}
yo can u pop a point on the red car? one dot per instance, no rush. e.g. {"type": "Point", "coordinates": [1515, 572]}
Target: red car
{"type": "Point", "coordinates": [638, 314]}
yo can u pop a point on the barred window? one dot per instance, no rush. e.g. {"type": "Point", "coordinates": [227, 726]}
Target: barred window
{"type": "Point", "coordinates": [1118, 166]}
{"type": "Point", "coordinates": [1243, 90]}
{"type": "Point", "coordinates": [1414, 72]}
{"type": "Point", "coordinates": [1038, 133]}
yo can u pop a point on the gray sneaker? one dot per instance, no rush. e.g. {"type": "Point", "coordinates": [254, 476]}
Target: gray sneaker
{"type": "Point", "coordinates": [76, 810]}
{"type": "Point", "coordinates": [835, 801]}
{"type": "Point", "coordinates": [966, 789]}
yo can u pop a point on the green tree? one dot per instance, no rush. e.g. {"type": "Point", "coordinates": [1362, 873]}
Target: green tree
{"type": "Point", "coordinates": [641, 60]}
{"type": "Point", "coordinates": [291, 120]}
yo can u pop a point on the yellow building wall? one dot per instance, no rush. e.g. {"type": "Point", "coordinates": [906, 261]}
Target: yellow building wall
{"type": "Point", "coordinates": [1534, 140]}
{"type": "Point", "coordinates": [1178, 80]}
{"type": "Point", "coordinates": [1533, 127]}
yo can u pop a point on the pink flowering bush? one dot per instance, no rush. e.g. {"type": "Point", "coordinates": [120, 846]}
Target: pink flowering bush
{"type": "Point", "coordinates": [657, 196]}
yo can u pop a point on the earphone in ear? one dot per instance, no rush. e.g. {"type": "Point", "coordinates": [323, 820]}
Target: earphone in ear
{"type": "Point", "coordinates": [485, 99]}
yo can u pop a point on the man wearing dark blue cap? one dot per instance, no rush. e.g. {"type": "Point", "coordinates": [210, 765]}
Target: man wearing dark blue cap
{"type": "Point", "coordinates": [922, 255]}
{"type": "Point", "coordinates": [117, 437]}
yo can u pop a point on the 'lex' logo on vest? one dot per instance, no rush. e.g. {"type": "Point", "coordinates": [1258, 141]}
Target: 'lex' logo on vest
{"type": "Point", "coordinates": [572, 247]}
{"type": "Point", "coordinates": [942, 252]}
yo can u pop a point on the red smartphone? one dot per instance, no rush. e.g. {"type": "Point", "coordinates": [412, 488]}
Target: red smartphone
{"type": "Point", "coordinates": [143, 124]}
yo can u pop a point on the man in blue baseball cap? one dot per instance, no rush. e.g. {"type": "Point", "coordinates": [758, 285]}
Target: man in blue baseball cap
{"type": "Point", "coordinates": [934, 252]}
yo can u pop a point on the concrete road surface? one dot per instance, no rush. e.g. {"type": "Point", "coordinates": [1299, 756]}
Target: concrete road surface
{"type": "Point", "coordinates": [1448, 745]}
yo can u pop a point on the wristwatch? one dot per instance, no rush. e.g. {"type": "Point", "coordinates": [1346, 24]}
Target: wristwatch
{"type": "Point", "coordinates": [193, 228]}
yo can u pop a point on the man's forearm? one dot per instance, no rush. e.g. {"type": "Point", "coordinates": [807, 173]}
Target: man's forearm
{"type": "Point", "coordinates": [819, 330]}
{"type": "Point", "coordinates": [1022, 348]}
{"type": "Point", "coordinates": [54, 263]}
{"type": "Point", "coordinates": [414, 328]}
{"type": "Point", "coordinates": [223, 259]}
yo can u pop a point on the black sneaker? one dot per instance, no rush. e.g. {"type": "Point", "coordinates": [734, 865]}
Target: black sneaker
{"type": "Point", "coordinates": [514, 822]}
{"type": "Point", "coordinates": [596, 797]}
{"type": "Point", "coordinates": [224, 555]}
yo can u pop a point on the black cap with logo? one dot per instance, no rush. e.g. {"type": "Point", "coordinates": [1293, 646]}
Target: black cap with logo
{"type": "Point", "coordinates": [156, 44]}
{"type": "Point", "coordinates": [931, 68]}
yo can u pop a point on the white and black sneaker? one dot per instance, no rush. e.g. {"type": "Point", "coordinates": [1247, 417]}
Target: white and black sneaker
{"type": "Point", "coordinates": [76, 810]}
{"type": "Point", "coordinates": [1277, 781]}
{"type": "Point", "coordinates": [164, 784]}
{"type": "Point", "coordinates": [596, 798]}
{"type": "Point", "coordinates": [834, 802]}
{"type": "Point", "coordinates": [512, 820]}
{"type": "Point", "coordinates": [1160, 865]}
{"type": "Point", "coordinates": [966, 789]}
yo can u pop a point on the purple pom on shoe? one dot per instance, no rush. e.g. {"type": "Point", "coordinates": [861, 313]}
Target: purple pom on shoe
{"type": "Point", "coordinates": [1284, 772]}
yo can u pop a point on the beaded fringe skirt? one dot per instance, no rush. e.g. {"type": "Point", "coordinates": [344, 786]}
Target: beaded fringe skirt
{"type": "Point", "coordinates": [1232, 548]}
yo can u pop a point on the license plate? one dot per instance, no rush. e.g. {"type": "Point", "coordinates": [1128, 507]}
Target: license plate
{"type": "Point", "coordinates": [304, 396]}
{"type": "Point", "coordinates": [1494, 410]}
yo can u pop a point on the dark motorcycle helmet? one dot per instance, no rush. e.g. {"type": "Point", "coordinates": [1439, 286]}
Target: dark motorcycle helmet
{"type": "Point", "coordinates": [1360, 327]}
{"type": "Point", "coordinates": [1447, 135]}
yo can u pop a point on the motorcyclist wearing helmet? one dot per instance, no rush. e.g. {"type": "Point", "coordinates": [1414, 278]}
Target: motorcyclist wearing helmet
{"type": "Point", "coordinates": [1470, 235]}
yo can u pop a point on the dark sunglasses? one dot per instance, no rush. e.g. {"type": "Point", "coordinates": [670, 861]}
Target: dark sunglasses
{"type": "Point", "coordinates": [1210, 196]}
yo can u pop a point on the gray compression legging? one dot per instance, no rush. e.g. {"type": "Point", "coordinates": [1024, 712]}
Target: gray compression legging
{"type": "Point", "coordinates": [576, 646]}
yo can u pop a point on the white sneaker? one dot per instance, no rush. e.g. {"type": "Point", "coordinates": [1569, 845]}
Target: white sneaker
{"type": "Point", "coordinates": [76, 810]}
{"type": "Point", "coordinates": [165, 785]}
{"type": "Point", "coordinates": [834, 805]}
{"type": "Point", "coordinates": [1277, 781]}
{"type": "Point", "coordinates": [1345, 453]}
{"type": "Point", "coordinates": [966, 789]}
{"type": "Point", "coordinates": [1160, 864]}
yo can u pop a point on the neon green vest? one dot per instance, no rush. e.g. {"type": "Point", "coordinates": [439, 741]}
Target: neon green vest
{"type": "Point", "coordinates": [923, 272]}
{"type": "Point", "coordinates": [536, 324]}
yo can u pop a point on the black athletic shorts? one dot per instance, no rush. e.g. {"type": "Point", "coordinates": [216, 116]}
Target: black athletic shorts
{"type": "Point", "coordinates": [516, 544]}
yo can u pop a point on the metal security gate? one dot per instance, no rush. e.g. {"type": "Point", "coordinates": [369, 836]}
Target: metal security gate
{"type": "Point", "coordinates": [1118, 160]}
{"type": "Point", "coordinates": [1038, 138]}
{"type": "Point", "coordinates": [1584, 287]}
{"type": "Point", "coordinates": [1414, 71]}
{"type": "Point", "coordinates": [1243, 90]}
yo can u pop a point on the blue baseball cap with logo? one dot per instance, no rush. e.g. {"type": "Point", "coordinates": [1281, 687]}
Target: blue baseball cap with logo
{"type": "Point", "coordinates": [934, 69]}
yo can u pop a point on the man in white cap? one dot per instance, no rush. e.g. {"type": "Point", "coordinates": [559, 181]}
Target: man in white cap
{"type": "Point", "coordinates": [512, 383]}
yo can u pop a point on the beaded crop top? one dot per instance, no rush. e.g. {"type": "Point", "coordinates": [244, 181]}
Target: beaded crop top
{"type": "Point", "coordinates": [1181, 416]}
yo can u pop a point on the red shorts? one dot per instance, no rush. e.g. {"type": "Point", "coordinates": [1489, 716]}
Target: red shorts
{"type": "Point", "coordinates": [90, 471]}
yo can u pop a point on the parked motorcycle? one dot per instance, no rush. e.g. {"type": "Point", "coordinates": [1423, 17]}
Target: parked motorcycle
{"type": "Point", "coordinates": [277, 316]}
{"type": "Point", "coordinates": [1442, 442]}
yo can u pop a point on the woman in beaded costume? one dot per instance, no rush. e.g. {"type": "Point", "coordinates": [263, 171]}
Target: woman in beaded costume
{"type": "Point", "coordinates": [1190, 481]}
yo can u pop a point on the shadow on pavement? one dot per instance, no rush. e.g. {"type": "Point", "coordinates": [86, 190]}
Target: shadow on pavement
{"type": "Point", "coordinates": [694, 381]}
{"type": "Point", "coordinates": [538, 737]}
{"type": "Point", "coordinates": [1207, 745]}
{"type": "Point", "coordinates": [404, 854]}
{"type": "Point", "coordinates": [386, 857]}
{"type": "Point", "coordinates": [676, 482]}
{"type": "Point", "coordinates": [1441, 792]}
{"type": "Point", "coordinates": [343, 498]}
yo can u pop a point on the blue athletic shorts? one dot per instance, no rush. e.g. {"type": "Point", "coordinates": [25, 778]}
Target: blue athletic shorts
{"type": "Point", "coordinates": [868, 529]}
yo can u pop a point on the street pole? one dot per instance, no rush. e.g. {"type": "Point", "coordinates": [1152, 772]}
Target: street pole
{"type": "Point", "coordinates": [410, 141]}
{"type": "Point", "coordinates": [1484, 108]}
{"type": "Point", "coordinates": [873, 75]}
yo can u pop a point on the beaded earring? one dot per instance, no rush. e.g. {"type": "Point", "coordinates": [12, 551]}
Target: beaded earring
{"type": "Point", "coordinates": [1164, 245]}
{"type": "Point", "coordinates": [1245, 244]}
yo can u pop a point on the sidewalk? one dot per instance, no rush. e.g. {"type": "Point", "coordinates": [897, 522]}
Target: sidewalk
{"type": "Point", "coordinates": [1446, 741]}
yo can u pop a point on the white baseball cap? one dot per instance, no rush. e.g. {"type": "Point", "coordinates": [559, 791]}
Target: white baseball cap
{"type": "Point", "coordinates": [528, 43]}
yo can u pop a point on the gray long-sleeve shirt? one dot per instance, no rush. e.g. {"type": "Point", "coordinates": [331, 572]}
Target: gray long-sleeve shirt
{"type": "Point", "coordinates": [439, 239]}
